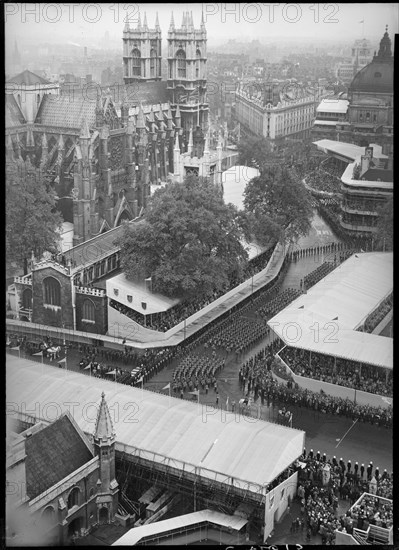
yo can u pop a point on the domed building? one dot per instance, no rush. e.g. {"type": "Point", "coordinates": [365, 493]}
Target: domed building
{"type": "Point", "coordinates": [370, 95]}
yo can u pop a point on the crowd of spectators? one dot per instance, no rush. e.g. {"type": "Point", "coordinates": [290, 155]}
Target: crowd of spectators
{"type": "Point", "coordinates": [317, 274]}
{"type": "Point", "coordinates": [257, 376]}
{"type": "Point", "coordinates": [321, 180]}
{"type": "Point", "coordinates": [377, 315]}
{"type": "Point", "coordinates": [178, 313]}
{"type": "Point", "coordinates": [336, 370]}
{"type": "Point", "coordinates": [322, 481]}
{"type": "Point", "coordinates": [194, 371]}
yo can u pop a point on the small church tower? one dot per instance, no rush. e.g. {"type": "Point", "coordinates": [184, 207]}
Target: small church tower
{"type": "Point", "coordinates": [104, 448]}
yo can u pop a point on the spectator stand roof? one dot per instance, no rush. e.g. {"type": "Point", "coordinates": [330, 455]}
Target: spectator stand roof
{"type": "Point", "coordinates": [134, 536]}
{"type": "Point", "coordinates": [346, 151]}
{"type": "Point", "coordinates": [139, 294]}
{"type": "Point", "coordinates": [338, 106]}
{"type": "Point", "coordinates": [325, 319]}
{"type": "Point", "coordinates": [241, 451]}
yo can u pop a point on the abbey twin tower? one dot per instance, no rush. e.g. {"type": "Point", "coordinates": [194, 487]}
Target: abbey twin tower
{"type": "Point", "coordinates": [103, 151]}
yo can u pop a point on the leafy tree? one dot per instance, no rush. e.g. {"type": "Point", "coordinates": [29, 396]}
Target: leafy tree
{"type": "Point", "coordinates": [189, 241]}
{"type": "Point", "coordinates": [384, 235]}
{"type": "Point", "coordinates": [255, 152]}
{"type": "Point", "coordinates": [279, 203]}
{"type": "Point", "coordinates": [31, 217]}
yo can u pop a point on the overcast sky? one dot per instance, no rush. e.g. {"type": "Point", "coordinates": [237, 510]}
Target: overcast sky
{"type": "Point", "coordinates": [86, 24]}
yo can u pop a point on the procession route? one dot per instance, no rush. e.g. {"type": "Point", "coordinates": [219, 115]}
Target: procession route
{"type": "Point", "coordinates": [346, 433]}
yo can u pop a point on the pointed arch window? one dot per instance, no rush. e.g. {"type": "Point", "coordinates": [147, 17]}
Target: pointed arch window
{"type": "Point", "coordinates": [88, 310]}
{"type": "Point", "coordinates": [136, 55]}
{"type": "Point", "coordinates": [153, 63]}
{"type": "Point", "coordinates": [181, 64]}
{"type": "Point", "coordinates": [52, 291]}
{"type": "Point", "coordinates": [27, 299]}
{"type": "Point", "coordinates": [197, 63]}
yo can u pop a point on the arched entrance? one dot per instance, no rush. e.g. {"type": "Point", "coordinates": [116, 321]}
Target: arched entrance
{"type": "Point", "coordinates": [74, 527]}
{"type": "Point", "coordinates": [103, 515]}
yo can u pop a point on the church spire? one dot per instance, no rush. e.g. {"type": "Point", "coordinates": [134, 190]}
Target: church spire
{"type": "Point", "coordinates": [145, 26]}
{"type": "Point", "coordinates": [104, 431]}
{"type": "Point", "coordinates": [140, 118]}
{"type": "Point", "coordinates": [139, 23]}
{"type": "Point", "coordinates": [202, 19]}
{"type": "Point", "coordinates": [172, 23]}
{"type": "Point", "coordinates": [157, 27]}
{"type": "Point", "coordinates": [127, 26]}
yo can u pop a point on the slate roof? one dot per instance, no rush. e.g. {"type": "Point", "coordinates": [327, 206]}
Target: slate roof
{"type": "Point", "coordinates": [28, 78]}
{"type": "Point", "coordinates": [67, 111]}
{"type": "Point", "coordinates": [90, 251]}
{"type": "Point", "coordinates": [52, 454]}
{"type": "Point", "coordinates": [14, 116]}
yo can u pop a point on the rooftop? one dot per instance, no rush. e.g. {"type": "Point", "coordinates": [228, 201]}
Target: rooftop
{"type": "Point", "coordinates": [119, 288]}
{"type": "Point", "coordinates": [347, 150]}
{"type": "Point", "coordinates": [164, 429]}
{"type": "Point", "coordinates": [333, 106]}
{"type": "Point", "coordinates": [28, 78]}
{"type": "Point", "coordinates": [53, 453]}
{"type": "Point", "coordinates": [341, 302]}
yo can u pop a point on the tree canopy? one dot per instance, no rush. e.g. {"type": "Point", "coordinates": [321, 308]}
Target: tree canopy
{"type": "Point", "coordinates": [32, 222]}
{"type": "Point", "coordinates": [279, 203]}
{"type": "Point", "coordinates": [188, 242]}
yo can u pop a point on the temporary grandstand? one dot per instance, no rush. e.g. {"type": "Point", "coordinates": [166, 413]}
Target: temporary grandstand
{"type": "Point", "coordinates": [329, 318]}
{"type": "Point", "coordinates": [216, 458]}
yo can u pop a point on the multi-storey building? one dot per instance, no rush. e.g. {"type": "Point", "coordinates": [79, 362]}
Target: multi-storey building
{"type": "Point", "coordinates": [276, 110]}
{"type": "Point", "coordinates": [360, 57]}
{"type": "Point", "coordinates": [366, 114]}
{"type": "Point", "coordinates": [366, 185]}
{"type": "Point", "coordinates": [370, 96]}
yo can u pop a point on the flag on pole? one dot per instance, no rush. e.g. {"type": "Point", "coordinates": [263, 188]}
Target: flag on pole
{"type": "Point", "coordinates": [39, 353]}
{"type": "Point", "coordinates": [196, 392]}
{"type": "Point", "coordinates": [17, 348]}
{"type": "Point", "coordinates": [167, 387]}
{"type": "Point", "coordinates": [88, 366]}
{"type": "Point", "coordinates": [60, 361]}
{"type": "Point", "coordinates": [141, 379]}
{"type": "Point", "coordinates": [111, 372]}
{"type": "Point", "coordinates": [227, 401]}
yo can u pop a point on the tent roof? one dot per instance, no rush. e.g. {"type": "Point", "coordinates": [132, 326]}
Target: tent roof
{"type": "Point", "coordinates": [155, 302]}
{"type": "Point", "coordinates": [348, 150]}
{"type": "Point", "coordinates": [340, 303]}
{"type": "Point", "coordinates": [133, 536]}
{"type": "Point", "coordinates": [333, 106]}
{"type": "Point", "coordinates": [163, 429]}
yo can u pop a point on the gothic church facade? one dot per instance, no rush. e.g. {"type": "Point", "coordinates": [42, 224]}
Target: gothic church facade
{"type": "Point", "coordinates": [103, 149]}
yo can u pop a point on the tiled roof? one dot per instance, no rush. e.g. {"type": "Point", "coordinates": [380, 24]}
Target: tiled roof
{"type": "Point", "coordinates": [28, 78]}
{"type": "Point", "coordinates": [14, 116]}
{"type": "Point", "coordinates": [52, 454]}
{"type": "Point", "coordinates": [67, 111]}
{"type": "Point", "coordinates": [90, 251]}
